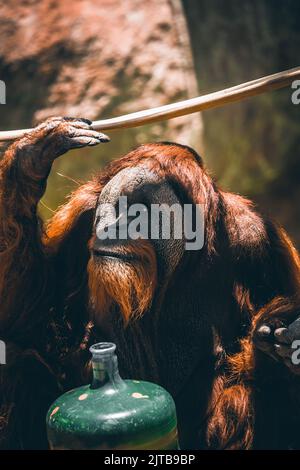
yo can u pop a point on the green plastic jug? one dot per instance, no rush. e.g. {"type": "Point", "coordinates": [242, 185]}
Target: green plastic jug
{"type": "Point", "coordinates": [112, 413]}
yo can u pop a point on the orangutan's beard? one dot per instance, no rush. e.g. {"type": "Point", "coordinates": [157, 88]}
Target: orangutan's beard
{"type": "Point", "coordinates": [128, 285]}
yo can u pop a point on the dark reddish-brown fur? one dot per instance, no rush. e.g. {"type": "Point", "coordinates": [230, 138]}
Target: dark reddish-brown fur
{"type": "Point", "coordinates": [248, 271]}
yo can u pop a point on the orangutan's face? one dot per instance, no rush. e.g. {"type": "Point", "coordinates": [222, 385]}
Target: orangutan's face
{"type": "Point", "coordinates": [131, 244]}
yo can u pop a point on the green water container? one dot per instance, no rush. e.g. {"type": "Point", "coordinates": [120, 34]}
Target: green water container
{"type": "Point", "coordinates": [112, 413]}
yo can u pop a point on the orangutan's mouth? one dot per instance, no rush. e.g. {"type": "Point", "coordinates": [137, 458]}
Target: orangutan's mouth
{"type": "Point", "coordinates": [114, 255]}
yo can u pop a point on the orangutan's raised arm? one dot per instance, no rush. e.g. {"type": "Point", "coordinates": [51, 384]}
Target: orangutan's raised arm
{"type": "Point", "coordinates": [24, 168]}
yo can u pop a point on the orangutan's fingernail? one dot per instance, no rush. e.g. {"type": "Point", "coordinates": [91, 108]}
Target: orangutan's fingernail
{"type": "Point", "coordinates": [264, 330]}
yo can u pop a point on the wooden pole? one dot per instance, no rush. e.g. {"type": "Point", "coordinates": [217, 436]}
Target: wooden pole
{"type": "Point", "coordinates": [193, 105]}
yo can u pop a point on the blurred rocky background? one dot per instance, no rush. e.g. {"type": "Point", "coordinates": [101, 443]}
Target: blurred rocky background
{"type": "Point", "coordinates": [252, 147]}
{"type": "Point", "coordinates": [95, 59]}
{"type": "Point", "coordinates": [103, 58]}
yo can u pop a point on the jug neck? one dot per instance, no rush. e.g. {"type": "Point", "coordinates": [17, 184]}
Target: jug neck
{"type": "Point", "coordinates": [105, 365]}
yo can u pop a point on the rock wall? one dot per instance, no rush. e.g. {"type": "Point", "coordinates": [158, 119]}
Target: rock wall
{"type": "Point", "coordinates": [96, 59]}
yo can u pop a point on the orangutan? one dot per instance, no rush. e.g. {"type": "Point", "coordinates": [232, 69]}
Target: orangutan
{"type": "Point", "coordinates": [214, 326]}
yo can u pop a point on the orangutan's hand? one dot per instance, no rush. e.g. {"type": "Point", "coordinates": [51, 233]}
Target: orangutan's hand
{"type": "Point", "coordinates": [280, 341]}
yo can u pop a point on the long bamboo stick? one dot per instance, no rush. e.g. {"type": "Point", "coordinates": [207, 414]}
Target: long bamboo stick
{"type": "Point", "coordinates": [200, 103]}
